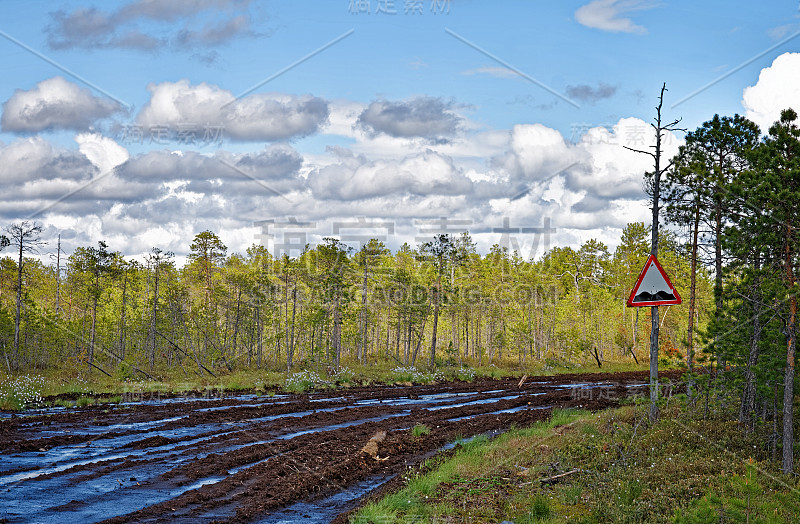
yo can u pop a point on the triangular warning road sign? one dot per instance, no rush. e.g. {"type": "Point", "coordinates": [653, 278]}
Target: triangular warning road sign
{"type": "Point", "coordinates": [653, 287]}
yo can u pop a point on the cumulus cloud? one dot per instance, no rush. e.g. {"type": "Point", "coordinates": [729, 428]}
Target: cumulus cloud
{"type": "Point", "coordinates": [611, 171]}
{"type": "Point", "coordinates": [34, 158]}
{"type": "Point", "coordinates": [55, 104]}
{"type": "Point", "coordinates": [778, 88]}
{"type": "Point", "coordinates": [521, 176]}
{"type": "Point", "coordinates": [355, 177]}
{"type": "Point", "coordinates": [610, 15]}
{"type": "Point", "coordinates": [101, 151]}
{"type": "Point", "coordinates": [275, 165]}
{"type": "Point", "coordinates": [424, 117]}
{"type": "Point", "coordinates": [257, 117]}
{"type": "Point", "coordinates": [597, 164]}
{"type": "Point", "coordinates": [537, 153]}
{"type": "Point", "coordinates": [587, 93]}
{"type": "Point", "coordinates": [91, 28]}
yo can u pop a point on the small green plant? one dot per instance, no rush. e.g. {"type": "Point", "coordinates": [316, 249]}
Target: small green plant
{"type": "Point", "coordinates": [420, 430]}
{"type": "Point", "coordinates": [84, 401]}
{"type": "Point", "coordinates": [629, 492]}
{"type": "Point", "coordinates": [17, 393]}
{"type": "Point", "coordinates": [303, 381]}
{"type": "Point", "coordinates": [124, 372]}
{"type": "Point", "coordinates": [739, 502]}
{"type": "Point", "coordinates": [10, 402]}
{"type": "Point", "coordinates": [540, 509]}
{"type": "Point", "coordinates": [465, 374]}
{"type": "Point", "coordinates": [343, 377]}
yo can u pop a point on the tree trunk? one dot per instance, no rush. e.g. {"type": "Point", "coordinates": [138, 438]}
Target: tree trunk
{"type": "Point", "coordinates": [788, 381]}
{"type": "Point", "coordinates": [749, 394]}
{"type": "Point", "coordinates": [259, 336]}
{"type": "Point", "coordinates": [363, 342]}
{"type": "Point", "coordinates": [122, 316]}
{"type": "Point", "coordinates": [692, 301]}
{"type": "Point", "coordinates": [94, 324]}
{"type": "Point", "coordinates": [19, 304]}
{"type": "Point", "coordinates": [435, 317]}
{"type": "Point", "coordinates": [153, 325]}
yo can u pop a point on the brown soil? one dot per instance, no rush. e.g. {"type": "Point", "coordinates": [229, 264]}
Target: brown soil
{"type": "Point", "coordinates": [257, 459]}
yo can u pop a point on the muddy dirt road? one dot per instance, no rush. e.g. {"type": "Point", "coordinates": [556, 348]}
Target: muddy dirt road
{"type": "Point", "coordinates": [248, 458]}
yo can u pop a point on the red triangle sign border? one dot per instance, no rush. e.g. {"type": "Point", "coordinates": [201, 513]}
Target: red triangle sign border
{"type": "Point", "coordinates": [665, 302]}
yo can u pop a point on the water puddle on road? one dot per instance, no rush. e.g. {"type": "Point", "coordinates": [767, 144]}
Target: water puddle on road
{"type": "Point", "coordinates": [325, 510]}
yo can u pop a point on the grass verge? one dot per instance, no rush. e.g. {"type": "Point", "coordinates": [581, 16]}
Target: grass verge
{"type": "Point", "coordinates": [608, 467]}
{"type": "Point", "coordinates": [47, 388]}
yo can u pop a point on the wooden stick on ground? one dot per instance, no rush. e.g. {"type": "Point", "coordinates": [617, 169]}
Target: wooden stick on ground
{"type": "Point", "coordinates": [557, 478]}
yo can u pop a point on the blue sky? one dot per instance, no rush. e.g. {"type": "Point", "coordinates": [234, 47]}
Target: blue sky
{"type": "Point", "coordinates": [482, 112]}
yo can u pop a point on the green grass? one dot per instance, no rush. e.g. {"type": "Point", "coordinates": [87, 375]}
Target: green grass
{"type": "Point", "coordinates": [10, 402]}
{"type": "Point", "coordinates": [27, 390]}
{"type": "Point", "coordinates": [418, 499]}
{"type": "Point", "coordinates": [420, 430]}
{"type": "Point", "coordinates": [680, 470]}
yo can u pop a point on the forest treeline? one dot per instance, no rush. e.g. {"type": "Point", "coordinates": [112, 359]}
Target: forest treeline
{"type": "Point", "coordinates": [439, 303]}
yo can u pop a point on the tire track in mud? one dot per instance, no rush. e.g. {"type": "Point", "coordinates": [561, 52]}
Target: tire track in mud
{"type": "Point", "coordinates": [245, 458]}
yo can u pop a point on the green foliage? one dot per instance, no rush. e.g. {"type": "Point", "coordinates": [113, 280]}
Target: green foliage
{"type": "Point", "coordinates": [540, 509]}
{"type": "Point", "coordinates": [303, 381]}
{"type": "Point", "coordinates": [19, 392]}
{"type": "Point", "coordinates": [627, 470]}
{"type": "Point", "coordinates": [742, 499]}
{"type": "Point", "coordinates": [420, 430]}
{"type": "Point", "coordinates": [124, 373]}
{"type": "Point", "coordinates": [325, 310]}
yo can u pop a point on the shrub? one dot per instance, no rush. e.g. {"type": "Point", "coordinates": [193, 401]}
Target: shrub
{"type": "Point", "coordinates": [16, 393]}
{"type": "Point", "coordinates": [303, 381]}
{"type": "Point", "coordinates": [420, 430]}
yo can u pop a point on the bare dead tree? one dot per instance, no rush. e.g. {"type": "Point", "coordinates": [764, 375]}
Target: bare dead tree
{"type": "Point", "coordinates": [25, 237]}
{"type": "Point", "coordinates": [652, 186]}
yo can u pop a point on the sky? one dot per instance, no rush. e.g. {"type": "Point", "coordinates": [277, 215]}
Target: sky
{"type": "Point", "coordinates": [144, 122]}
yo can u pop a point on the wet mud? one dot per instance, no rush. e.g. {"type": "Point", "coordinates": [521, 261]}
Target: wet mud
{"type": "Point", "coordinates": [285, 458]}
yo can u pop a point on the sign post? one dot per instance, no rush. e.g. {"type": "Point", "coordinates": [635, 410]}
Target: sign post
{"type": "Point", "coordinates": [653, 288]}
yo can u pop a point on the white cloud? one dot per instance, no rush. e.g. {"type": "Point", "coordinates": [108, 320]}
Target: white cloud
{"type": "Point", "coordinates": [421, 117]}
{"type": "Point", "coordinates": [55, 104]}
{"type": "Point", "coordinates": [176, 25]}
{"type": "Point", "coordinates": [257, 117]}
{"type": "Point", "coordinates": [356, 177]}
{"type": "Point", "coordinates": [778, 88]}
{"type": "Point", "coordinates": [101, 151]}
{"type": "Point", "coordinates": [610, 170]}
{"type": "Point", "coordinates": [36, 159]}
{"type": "Point", "coordinates": [587, 189]}
{"type": "Point", "coordinates": [609, 15]}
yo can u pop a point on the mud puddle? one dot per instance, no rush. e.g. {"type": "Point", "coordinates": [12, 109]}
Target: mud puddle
{"type": "Point", "coordinates": [252, 458]}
